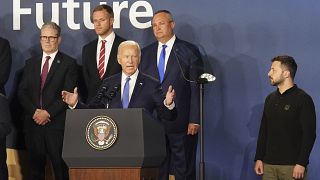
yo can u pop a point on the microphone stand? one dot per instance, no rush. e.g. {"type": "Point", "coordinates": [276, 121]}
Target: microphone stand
{"type": "Point", "coordinates": [203, 79]}
{"type": "Point", "coordinates": [201, 82]}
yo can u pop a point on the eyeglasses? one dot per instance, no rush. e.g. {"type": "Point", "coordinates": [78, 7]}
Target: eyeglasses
{"type": "Point", "coordinates": [50, 38]}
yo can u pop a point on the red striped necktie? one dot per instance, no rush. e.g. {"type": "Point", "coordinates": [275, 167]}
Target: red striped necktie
{"type": "Point", "coordinates": [101, 59]}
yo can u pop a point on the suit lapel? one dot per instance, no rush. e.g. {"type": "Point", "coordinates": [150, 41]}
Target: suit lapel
{"type": "Point", "coordinates": [93, 62]}
{"type": "Point", "coordinates": [154, 61]}
{"type": "Point", "coordinates": [37, 73]}
{"type": "Point", "coordinates": [137, 89]}
{"type": "Point", "coordinates": [112, 57]}
{"type": "Point", "coordinates": [171, 62]}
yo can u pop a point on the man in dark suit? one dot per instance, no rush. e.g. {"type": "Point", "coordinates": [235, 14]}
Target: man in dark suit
{"type": "Point", "coordinates": [5, 66]}
{"type": "Point", "coordinates": [137, 90]}
{"type": "Point", "coordinates": [43, 79]}
{"type": "Point", "coordinates": [99, 57]}
{"type": "Point", "coordinates": [175, 62]}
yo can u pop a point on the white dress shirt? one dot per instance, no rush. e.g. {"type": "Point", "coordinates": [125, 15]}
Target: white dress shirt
{"type": "Point", "coordinates": [109, 42]}
{"type": "Point", "coordinates": [44, 55]}
{"type": "Point", "coordinates": [168, 50]}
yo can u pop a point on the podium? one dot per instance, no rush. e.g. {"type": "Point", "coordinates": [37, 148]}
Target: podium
{"type": "Point", "coordinates": [136, 153]}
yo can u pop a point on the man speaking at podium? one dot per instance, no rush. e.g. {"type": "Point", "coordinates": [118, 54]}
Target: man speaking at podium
{"type": "Point", "coordinates": [137, 90]}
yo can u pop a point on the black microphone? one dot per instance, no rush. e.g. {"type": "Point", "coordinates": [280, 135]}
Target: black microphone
{"type": "Point", "coordinates": [111, 93]}
{"type": "Point", "coordinates": [176, 52]}
{"type": "Point", "coordinates": [102, 92]}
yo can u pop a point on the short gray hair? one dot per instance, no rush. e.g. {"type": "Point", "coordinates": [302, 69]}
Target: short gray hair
{"type": "Point", "coordinates": [52, 25]}
{"type": "Point", "coordinates": [129, 43]}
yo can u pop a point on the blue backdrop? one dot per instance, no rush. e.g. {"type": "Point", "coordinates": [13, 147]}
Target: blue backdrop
{"type": "Point", "coordinates": [237, 39]}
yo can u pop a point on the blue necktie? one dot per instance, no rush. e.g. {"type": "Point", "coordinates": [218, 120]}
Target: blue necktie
{"type": "Point", "coordinates": [161, 64]}
{"type": "Point", "coordinates": [125, 94]}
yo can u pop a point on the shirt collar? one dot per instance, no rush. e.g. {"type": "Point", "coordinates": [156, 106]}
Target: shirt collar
{"type": "Point", "coordinates": [168, 43]}
{"type": "Point", "coordinates": [109, 38]}
{"type": "Point", "coordinates": [288, 91]}
{"type": "Point", "coordinates": [52, 55]}
{"type": "Point", "coordinates": [134, 76]}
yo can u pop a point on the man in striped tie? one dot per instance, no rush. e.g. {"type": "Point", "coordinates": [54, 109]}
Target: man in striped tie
{"type": "Point", "coordinates": [99, 57]}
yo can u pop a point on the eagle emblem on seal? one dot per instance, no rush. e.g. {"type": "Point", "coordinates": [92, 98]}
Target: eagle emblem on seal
{"type": "Point", "coordinates": [101, 132]}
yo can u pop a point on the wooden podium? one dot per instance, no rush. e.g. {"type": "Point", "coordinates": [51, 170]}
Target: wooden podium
{"type": "Point", "coordinates": [114, 174]}
{"type": "Point", "coordinates": [136, 154]}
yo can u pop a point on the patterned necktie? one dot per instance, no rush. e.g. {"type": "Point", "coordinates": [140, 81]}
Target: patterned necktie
{"type": "Point", "coordinates": [125, 94]}
{"type": "Point", "coordinates": [43, 76]}
{"type": "Point", "coordinates": [161, 64]}
{"type": "Point", "coordinates": [101, 59]}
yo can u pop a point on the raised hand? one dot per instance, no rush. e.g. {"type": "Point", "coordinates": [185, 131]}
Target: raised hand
{"type": "Point", "coordinates": [70, 98]}
{"type": "Point", "coordinates": [170, 96]}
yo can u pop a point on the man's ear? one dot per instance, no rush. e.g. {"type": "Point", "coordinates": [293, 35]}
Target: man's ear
{"type": "Point", "coordinates": [286, 73]}
{"type": "Point", "coordinates": [118, 59]}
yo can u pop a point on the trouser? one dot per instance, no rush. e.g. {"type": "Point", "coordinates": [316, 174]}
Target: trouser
{"type": "Point", "coordinates": [41, 145]}
{"type": "Point", "coordinates": [279, 172]}
{"type": "Point", "coordinates": [181, 156]}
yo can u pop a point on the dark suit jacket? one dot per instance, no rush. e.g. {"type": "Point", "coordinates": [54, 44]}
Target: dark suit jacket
{"type": "Point", "coordinates": [62, 76]}
{"type": "Point", "coordinates": [147, 94]}
{"type": "Point", "coordinates": [187, 94]}
{"type": "Point", "coordinates": [5, 63]}
{"type": "Point", "coordinates": [5, 117]}
{"type": "Point", "coordinates": [89, 65]}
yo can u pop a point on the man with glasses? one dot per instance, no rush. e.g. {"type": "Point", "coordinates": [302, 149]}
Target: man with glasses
{"type": "Point", "coordinates": [43, 79]}
{"type": "Point", "coordinates": [99, 57]}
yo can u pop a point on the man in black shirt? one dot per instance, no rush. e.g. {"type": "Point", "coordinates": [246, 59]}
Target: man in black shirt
{"type": "Point", "coordinates": [288, 126]}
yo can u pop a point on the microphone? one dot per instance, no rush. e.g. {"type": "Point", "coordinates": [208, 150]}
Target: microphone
{"type": "Point", "coordinates": [101, 92]}
{"type": "Point", "coordinates": [111, 93]}
{"type": "Point", "coordinates": [175, 52]}
{"type": "Point", "coordinates": [203, 78]}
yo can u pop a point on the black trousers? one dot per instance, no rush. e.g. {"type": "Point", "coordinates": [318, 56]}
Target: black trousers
{"type": "Point", "coordinates": [42, 144]}
{"type": "Point", "coordinates": [181, 157]}
{"type": "Point", "coordinates": [3, 159]}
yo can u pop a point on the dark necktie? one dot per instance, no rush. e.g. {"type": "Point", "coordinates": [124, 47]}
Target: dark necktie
{"type": "Point", "coordinates": [43, 76]}
{"type": "Point", "coordinates": [125, 94]}
{"type": "Point", "coordinates": [161, 64]}
{"type": "Point", "coordinates": [45, 70]}
{"type": "Point", "coordinates": [102, 59]}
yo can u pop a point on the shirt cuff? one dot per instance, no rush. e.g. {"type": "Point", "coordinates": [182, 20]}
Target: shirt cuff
{"type": "Point", "coordinates": [171, 106]}
{"type": "Point", "coordinates": [73, 107]}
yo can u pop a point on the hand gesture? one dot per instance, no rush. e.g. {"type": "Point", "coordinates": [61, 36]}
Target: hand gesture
{"type": "Point", "coordinates": [170, 96]}
{"type": "Point", "coordinates": [70, 98]}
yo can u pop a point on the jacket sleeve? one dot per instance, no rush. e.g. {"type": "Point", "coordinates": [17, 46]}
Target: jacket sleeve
{"type": "Point", "coordinates": [307, 120]}
{"type": "Point", "coordinates": [5, 62]}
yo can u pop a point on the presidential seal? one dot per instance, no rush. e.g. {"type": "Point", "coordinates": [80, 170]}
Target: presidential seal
{"type": "Point", "coordinates": [101, 132]}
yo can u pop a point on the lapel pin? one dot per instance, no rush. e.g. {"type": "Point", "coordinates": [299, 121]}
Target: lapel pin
{"type": "Point", "coordinates": [58, 61]}
{"type": "Point", "coordinates": [141, 84]}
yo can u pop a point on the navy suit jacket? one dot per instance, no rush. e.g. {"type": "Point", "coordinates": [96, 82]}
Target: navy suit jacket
{"type": "Point", "coordinates": [5, 63]}
{"type": "Point", "coordinates": [62, 75]}
{"type": "Point", "coordinates": [89, 65]}
{"type": "Point", "coordinates": [146, 94]}
{"type": "Point", "coordinates": [187, 94]}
